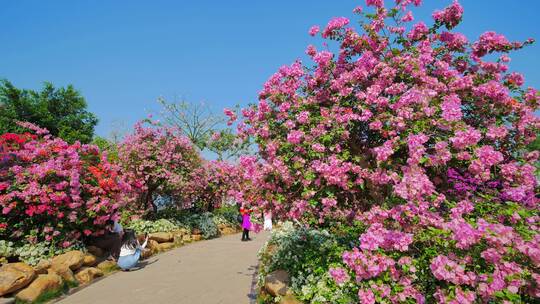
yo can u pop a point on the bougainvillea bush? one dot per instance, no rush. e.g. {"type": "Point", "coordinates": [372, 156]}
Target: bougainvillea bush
{"type": "Point", "coordinates": [158, 161]}
{"type": "Point", "coordinates": [420, 134]}
{"type": "Point", "coordinates": [55, 192]}
{"type": "Point", "coordinates": [212, 184]}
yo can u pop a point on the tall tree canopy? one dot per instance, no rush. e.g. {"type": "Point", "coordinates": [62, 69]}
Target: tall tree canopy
{"type": "Point", "coordinates": [62, 111]}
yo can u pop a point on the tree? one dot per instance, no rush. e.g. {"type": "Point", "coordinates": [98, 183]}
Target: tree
{"type": "Point", "coordinates": [158, 161]}
{"type": "Point", "coordinates": [418, 136]}
{"type": "Point", "coordinates": [63, 111]}
{"type": "Point", "coordinates": [195, 120]}
{"type": "Point", "coordinates": [205, 129]}
{"type": "Point", "coordinates": [227, 145]}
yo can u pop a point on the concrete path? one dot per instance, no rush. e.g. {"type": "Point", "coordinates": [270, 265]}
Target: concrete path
{"type": "Point", "coordinates": [220, 271]}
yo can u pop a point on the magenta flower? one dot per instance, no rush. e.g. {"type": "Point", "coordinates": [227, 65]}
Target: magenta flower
{"type": "Point", "coordinates": [339, 275]}
{"type": "Point", "coordinates": [314, 30]}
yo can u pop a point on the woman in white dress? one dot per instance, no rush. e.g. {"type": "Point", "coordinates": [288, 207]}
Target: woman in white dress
{"type": "Point", "coordinates": [268, 221]}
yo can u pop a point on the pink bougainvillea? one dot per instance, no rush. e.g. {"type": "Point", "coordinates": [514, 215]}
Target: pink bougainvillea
{"type": "Point", "coordinates": [412, 130]}
{"type": "Point", "coordinates": [158, 161]}
{"type": "Point", "coordinates": [54, 191]}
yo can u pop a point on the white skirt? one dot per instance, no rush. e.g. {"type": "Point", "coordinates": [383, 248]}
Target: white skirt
{"type": "Point", "coordinates": [268, 224]}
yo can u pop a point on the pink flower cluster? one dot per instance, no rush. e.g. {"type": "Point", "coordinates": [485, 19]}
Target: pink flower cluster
{"type": "Point", "coordinates": [377, 236]}
{"type": "Point", "coordinates": [158, 161]}
{"type": "Point", "coordinates": [67, 188]}
{"type": "Point", "coordinates": [419, 136]}
{"type": "Point", "coordinates": [450, 16]}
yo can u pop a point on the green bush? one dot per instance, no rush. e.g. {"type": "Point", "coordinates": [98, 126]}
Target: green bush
{"type": "Point", "coordinates": [307, 255]}
{"type": "Point", "coordinates": [145, 226]}
{"type": "Point", "coordinates": [204, 222]}
{"type": "Point", "coordinates": [229, 213]}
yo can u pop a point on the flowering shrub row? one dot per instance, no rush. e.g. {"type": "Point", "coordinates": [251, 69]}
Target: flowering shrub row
{"type": "Point", "coordinates": [55, 192]}
{"type": "Point", "coordinates": [417, 133]}
{"type": "Point", "coordinates": [157, 161]}
{"type": "Point", "coordinates": [161, 162]}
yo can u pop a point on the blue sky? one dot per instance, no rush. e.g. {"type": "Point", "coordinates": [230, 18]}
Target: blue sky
{"type": "Point", "coordinates": [123, 55]}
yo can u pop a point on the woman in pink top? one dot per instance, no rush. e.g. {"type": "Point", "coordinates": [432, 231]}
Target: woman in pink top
{"type": "Point", "coordinates": [246, 223]}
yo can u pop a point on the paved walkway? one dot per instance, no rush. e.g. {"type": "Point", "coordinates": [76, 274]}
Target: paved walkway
{"type": "Point", "coordinates": [216, 271]}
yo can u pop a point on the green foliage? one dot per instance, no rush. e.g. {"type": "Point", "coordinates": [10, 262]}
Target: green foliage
{"type": "Point", "coordinates": [535, 145]}
{"type": "Point", "coordinates": [31, 254]}
{"type": "Point", "coordinates": [307, 254]}
{"type": "Point", "coordinates": [62, 111]}
{"type": "Point", "coordinates": [226, 145]}
{"type": "Point", "coordinates": [228, 212]}
{"type": "Point", "coordinates": [145, 226]}
{"type": "Point", "coordinates": [207, 222]}
{"type": "Point", "coordinates": [7, 250]}
{"type": "Point", "coordinates": [108, 146]}
{"type": "Point", "coordinates": [203, 221]}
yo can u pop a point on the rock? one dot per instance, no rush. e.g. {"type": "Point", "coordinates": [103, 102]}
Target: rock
{"type": "Point", "coordinates": [95, 251]}
{"type": "Point", "coordinates": [42, 266]}
{"type": "Point", "coordinates": [196, 231]}
{"type": "Point", "coordinates": [196, 237]}
{"type": "Point", "coordinates": [187, 238]}
{"type": "Point", "coordinates": [87, 275]}
{"type": "Point", "coordinates": [64, 272]}
{"type": "Point", "coordinates": [7, 300]}
{"type": "Point", "coordinates": [146, 253]}
{"type": "Point", "coordinates": [161, 237]}
{"type": "Point", "coordinates": [43, 283]}
{"type": "Point", "coordinates": [90, 260]}
{"type": "Point", "coordinates": [228, 231]}
{"type": "Point", "coordinates": [14, 276]}
{"type": "Point", "coordinates": [72, 259]}
{"type": "Point", "coordinates": [222, 226]}
{"type": "Point", "coordinates": [276, 283]}
{"type": "Point", "coordinates": [183, 231]}
{"type": "Point", "coordinates": [107, 266]}
{"type": "Point", "coordinates": [289, 298]}
{"type": "Point", "coordinates": [165, 246]}
{"type": "Point", "coordinates": [178, 239]}
{"type": "Point", "coordinates": [153, 245]}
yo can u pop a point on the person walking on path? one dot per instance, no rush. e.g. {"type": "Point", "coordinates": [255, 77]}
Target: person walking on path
{"type": "Point", "coordinates": [268, 221]}
{"type": "Point", "coordinates": [131, 250]}
{"type": "Point", "coordinates": [246, 223]}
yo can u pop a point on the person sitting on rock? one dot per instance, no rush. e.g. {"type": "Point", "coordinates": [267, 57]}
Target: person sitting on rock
{"type": "Point", "coordinates": [110, 241]}
{"type": "Point", "coordinates": [131, 250]}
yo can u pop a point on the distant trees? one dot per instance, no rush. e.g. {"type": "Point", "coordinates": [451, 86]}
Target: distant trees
{"type": "Point", "coordinates": [62, 111]}
{"type": "Point", "coordinates": [206, 130]}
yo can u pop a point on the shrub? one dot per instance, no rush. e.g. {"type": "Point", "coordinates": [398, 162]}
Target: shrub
{"type": "Point", "coordinates": [306, 254]}
{"type": "Point", "coordinates": [422, 137]}
{"type": "Point", "coordinates": [204, 222]}
{"type": "Point", "coordinates": [229, 213]}
{"type": "Point", "coordinates": [7, 250]}
{"type": "Point", "coordinates": [144, 226]}
{"type": "Point", "coordinates": [159, 161]}
{"type": "Point", "coordinates": [53, 191]}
